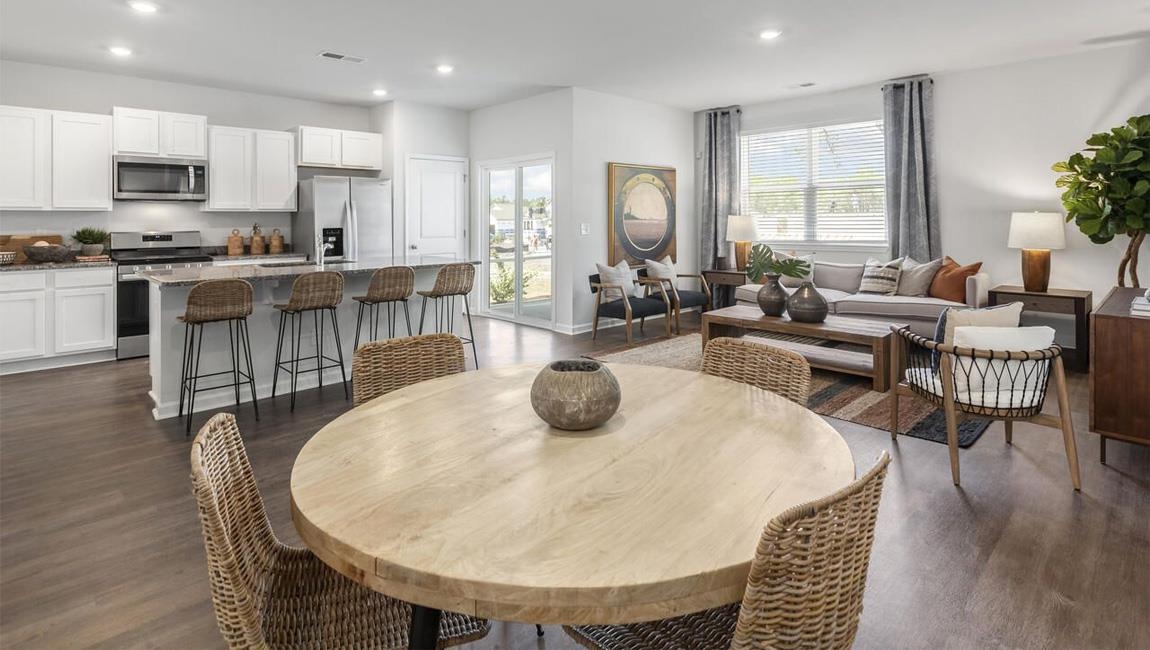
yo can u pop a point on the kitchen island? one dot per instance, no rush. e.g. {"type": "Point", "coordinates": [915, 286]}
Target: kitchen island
{"type": "Point", "coordinates": [271, 284]}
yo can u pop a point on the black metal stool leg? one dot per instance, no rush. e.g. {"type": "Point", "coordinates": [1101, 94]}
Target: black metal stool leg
{"type": "Point", "coordinates": [199, 349]}
{"type": "Point", "coordinates": [471, 331]}
{"type": "Point", "coordinates": [279, 351]}
{"type": "Point", "coordinates": [297, 335]}
{"type": "Point", "coordinates": [422, 311]}
{"type": "Point", "coordinates": [317, 321]}
{"type": "Point", "coordinates": [183, 372]}
{"type": "Point", "coordinates": [358, 322]}
{"type": "Point", "coordinates": [375, 330]}
{"type": "Point", "coordinates": [242, 325]}
{"type": "Point", "coordinates": [234, 348]}
{"type": "Point", "coordinates": [339, 352]}
{"type": "Point", "coordinates": [538, 630]}
{"type": "Point", "coordinates": [390, 319]}
{"type": "Point", "coordinates": [407, 317]}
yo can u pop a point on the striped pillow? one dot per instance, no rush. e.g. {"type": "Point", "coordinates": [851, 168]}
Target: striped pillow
{"type": "Point", "coordinates": [881, 278]}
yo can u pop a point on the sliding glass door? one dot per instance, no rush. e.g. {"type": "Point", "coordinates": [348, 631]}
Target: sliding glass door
{"type": "Point", "coordinates": [520, 241]}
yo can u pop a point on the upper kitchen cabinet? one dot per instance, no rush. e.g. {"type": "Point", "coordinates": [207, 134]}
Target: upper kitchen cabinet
{"type": "Point", "coordinates": [275, 178]}
{"type": "Point", "coordinates": [141, 132]}
{"type": "Point", "coordinates": [25, 158]}
{"type": "Point", "coordinates": [81, 164]}
{"type": "Point", "coordinates": [320, 147]}
{"type": "Point", "coordinates": [251, 170]}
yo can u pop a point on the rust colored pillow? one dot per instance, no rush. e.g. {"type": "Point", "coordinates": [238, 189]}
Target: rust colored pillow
{"type": "Point", "coordinates": [950, 281]}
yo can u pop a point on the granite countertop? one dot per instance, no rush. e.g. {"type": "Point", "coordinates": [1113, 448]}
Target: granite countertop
{"type": "Point", "coordinates": [179, 277]}
{"type": "Point", "coordinates": [257, 257]}
{"type": "Point", "coordinates": [52, 266]}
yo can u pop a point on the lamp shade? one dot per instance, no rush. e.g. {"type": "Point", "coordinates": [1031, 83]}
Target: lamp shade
{"type": "Point", "coordinates": [741, 228]}
{"type": "Point", "coordinates": [1037, 230]}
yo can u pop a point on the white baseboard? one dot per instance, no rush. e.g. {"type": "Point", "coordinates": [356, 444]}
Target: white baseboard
{"type": "Point", "coordinates": [62, 361]}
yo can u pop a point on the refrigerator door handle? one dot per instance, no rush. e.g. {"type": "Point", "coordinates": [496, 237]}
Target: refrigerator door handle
{"type": "Point", "coordinates": [351, 234]}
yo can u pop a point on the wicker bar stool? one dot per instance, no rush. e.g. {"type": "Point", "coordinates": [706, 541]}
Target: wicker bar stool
{"type": "Point", "coordinates": [389, 287]}
{"type": "Point", "coordinates": [779, 371]}
{"type": "Point", "coordinates": [318, 292]}
{"type": "Point", "coordinates": [805, 588]}
{"type": "Point", "coordinates": [216, 301]}
{"type": "Point", "coordinates": [452, 280]}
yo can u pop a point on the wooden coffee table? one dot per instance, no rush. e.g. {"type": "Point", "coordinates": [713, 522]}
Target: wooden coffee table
{"type": "Point", "coordinates": [740, 319]}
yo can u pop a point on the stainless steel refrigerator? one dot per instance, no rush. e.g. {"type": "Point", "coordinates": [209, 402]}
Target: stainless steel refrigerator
{"type": "Point", "coordinates": [351, 216]}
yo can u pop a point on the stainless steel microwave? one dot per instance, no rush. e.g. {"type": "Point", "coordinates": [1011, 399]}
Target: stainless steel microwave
{"type": "Point", "coordinates": [160, 179]}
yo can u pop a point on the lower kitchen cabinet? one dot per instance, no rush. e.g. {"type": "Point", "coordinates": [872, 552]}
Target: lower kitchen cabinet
{"type": "Point", "coordinates": [25, 324]}
{"type": "Point", "coordinates": [85, 319]}
{"type": "Point", "coordinates": [57, 313]}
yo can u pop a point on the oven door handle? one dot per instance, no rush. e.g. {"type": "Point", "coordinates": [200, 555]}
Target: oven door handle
{"type": "Point", "coordinates": [132, 277]}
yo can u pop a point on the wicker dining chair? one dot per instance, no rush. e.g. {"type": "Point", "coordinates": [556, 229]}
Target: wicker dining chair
{"type": "Point", "coordinates": [379, 367]}
{"type": "Point", "coordinates": [805, 588]}
{"type": "Point", "coordinates": [269, 595]}
{"type": "Point", "coordinates": [943, 375]}
{"type": "Point", "coordinates": [779, 371]}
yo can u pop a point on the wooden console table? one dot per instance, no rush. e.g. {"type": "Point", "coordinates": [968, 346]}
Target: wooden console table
{"type": "Point", "coordinates": [1055, 301]}
{"type": "Point", "coordinates": [723, 284]}
{"type": "Point", "coordinates": [1119, 371]}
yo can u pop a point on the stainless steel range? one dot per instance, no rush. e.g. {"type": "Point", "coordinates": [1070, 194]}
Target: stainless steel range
{"type": "Point", "coordinates": [146, 251]}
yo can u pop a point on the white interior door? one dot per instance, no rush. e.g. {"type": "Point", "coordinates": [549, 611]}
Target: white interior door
{"type": "Point", "coordinates": [436, 206]}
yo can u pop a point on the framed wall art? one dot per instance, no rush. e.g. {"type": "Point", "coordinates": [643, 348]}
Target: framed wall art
{"type": "Point", "coordinates": [640, 213]}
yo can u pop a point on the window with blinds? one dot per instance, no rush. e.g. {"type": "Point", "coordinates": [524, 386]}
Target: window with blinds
{"type": "Point", "coordinates": [816, 185]}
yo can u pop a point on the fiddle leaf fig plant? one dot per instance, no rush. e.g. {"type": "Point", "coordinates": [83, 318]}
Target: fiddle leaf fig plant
{"type": "Point", "coordinates": [1106, 189]}
{"type": "Point", "coordinates": [763, 261]}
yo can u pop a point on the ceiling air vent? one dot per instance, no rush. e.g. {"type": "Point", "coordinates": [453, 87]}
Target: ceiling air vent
{"type": "Point", "coordinates": [336, 56]}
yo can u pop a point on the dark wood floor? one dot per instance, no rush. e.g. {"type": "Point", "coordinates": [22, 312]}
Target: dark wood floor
{"type": "Point", "coordinates": [100, 545]}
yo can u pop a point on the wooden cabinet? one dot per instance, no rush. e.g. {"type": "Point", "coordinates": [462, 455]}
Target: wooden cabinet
{"type": "Point", "coordinates": [320, 147]}
{"type": "Point", "coordinates": [60, 312]}
{"type": "Point", "coordinates": [275, 171]}
{"type": "Point", "coordinates": [1119, 371]}
{"type": "Point", "coordinates": [25, 158]}
{"type": "Point", "coordinates": [141, 132]}
{"type": "Point", "coordinates": [81, 164]}
{"type": "Point", "coordinates": [251, 170]}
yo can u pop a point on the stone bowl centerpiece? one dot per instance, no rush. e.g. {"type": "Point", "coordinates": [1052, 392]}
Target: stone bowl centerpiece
{"type": "Point", "coordinates": [575, 394]}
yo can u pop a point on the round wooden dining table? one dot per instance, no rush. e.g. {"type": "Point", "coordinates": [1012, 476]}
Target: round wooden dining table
{"type": "Point", "coordinates": [452, 494]}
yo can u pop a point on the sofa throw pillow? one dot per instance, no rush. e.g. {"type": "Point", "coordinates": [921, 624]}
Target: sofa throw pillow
{"type": "Point", "coordinates": [1004, 384]}
{"type": "Point", "coordinates": [664, 270]}
{"type": "Point", "coordinates": [788, 281]}
{"type": "Point", "coordinates": [620, 274]}
{"type": "Point", "coordinates": [881, 277]}
{"type": "Point", "coordinates": [916, 277]}
{"type": "Point", "coordinates": [837, 276]}
{"type": "Point", "coordinates": [950, 281]}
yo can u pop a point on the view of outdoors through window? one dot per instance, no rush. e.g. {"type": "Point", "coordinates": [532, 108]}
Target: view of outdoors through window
{"type": "Point", "coordinates": [521, 238]}
{"type": "Point", "coordinates": [817, 185]}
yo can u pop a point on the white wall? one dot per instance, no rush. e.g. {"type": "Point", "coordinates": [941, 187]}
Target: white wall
{"type": "Point", "coordinates": [997, 132]}
{"type": "Point", "coordinates": [40, 86]}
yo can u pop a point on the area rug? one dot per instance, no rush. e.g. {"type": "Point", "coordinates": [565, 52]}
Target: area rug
{"type": "Point", "coordinates": [835, 395]}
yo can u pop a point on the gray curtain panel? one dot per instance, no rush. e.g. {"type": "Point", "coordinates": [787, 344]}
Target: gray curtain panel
{"type": "Point", "coordinates": [720, 185]}
{"type": "Point", "coordinates": [911, 189]}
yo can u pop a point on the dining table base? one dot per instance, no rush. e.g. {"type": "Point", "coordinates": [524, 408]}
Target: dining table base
{"type": "Point", "coordinates": [424, 631]}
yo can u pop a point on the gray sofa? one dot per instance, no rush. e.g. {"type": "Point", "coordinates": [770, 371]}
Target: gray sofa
{"type": "Point", "coordinates": [839, 284]}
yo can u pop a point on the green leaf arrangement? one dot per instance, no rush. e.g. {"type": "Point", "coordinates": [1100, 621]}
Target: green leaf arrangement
{"type": "Point", "coordinates": [1106, 189]}
{"type": "Point", "coordinates": [763, 260]}
{"type": "Point", "coordinates": [90, 236]}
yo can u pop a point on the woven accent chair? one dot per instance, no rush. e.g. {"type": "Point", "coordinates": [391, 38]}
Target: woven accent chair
{"type": "Point", "coordinates": [390, 286]}
{"type": "Point", "coordinates": [227, 301]}
{"type": "Point", "coordinates": [268, 595]}
{"type": "Point", "coordinates": [681, 298]}
{"type": "Point", "coordinates": [379, 367]}
{"type": "Point", "coordinates": [987, 384]}
{"type": "Point", "coordinates": [451, 281]}
{"type": "Point", "coordinates": [805, 588]}
{"type": "Point", "coordinates": [779, 371]}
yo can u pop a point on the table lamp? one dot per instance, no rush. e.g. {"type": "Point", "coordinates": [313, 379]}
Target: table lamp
{"type": "Point", "coordinates": [741, 230]}
{"type": "Point", "coordinates": [1036, 233]}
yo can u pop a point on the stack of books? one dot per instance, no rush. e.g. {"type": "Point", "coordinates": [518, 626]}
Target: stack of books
{"type": "Point", "coordinates": [1140, 306]}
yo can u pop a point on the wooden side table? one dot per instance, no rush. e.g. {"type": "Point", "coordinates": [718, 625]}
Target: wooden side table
{"type": "Point", "coordinates": [1056, 301]}
{"type": "Point", "coordinates": [1119, 371]}
{"type": "Point", "coordinates": [723, 284]}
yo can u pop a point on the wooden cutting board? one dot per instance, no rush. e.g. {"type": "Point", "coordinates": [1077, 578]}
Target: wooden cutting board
{"type": "Point", "coordinates": [18, 242]}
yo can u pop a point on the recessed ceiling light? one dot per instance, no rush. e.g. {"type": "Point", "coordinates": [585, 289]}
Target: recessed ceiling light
{"type": "Point", "coordinates": [117, 50]}
{"type": "Point", "coordinates": [379, 92]}
{"type": "Point", "coordinates": [770, 34]}
{"type": "Point", "coordinates": [143, 7]}
{"type": "Point", "coordinates": [444, 68]}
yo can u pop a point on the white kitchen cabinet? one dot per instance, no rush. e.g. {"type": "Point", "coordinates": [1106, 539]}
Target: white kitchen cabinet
{"type": "Point", "coordinates": [85, 319]}
{"type": "Point", "coordinates": [142, 132]}
{"type": "Point", "coordinates": [183, 135]}
{"type": "Point", "coordinates": [25, 158]}
{"type": "Point", "coordinates": [230, 168]}
{"type": "Point", "coordinates": [320, 147]}
{"type": "Point", "coordinates": [137, 131]}
{"type": "Point", "coordinates": [23, 327]}
{"type": "Point", "coordinates": [275, 171]}
{"type": "Point", "coordinates": [361, 149]}
{"type": "Point", "coordinates": [81, 161]}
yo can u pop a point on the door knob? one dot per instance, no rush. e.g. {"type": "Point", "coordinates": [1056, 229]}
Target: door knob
{"type": "Point", "coordinates": [413, 247]}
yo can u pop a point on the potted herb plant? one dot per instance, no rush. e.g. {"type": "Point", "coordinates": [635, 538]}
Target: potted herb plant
{"type": "Point", "coordinates": [766, 267]}
{"type": "Point", "coordinates": [1107, 194]}
{"type": "Point", "coordinates": [91, 241]}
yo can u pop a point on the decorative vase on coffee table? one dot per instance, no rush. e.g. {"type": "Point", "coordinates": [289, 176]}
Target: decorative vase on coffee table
{"type": "Point", "coordinates": [772, 297]}
{"type": "Point", "coordinates": [807, 305]}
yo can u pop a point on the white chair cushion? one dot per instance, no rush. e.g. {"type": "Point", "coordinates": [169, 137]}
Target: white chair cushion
{"type": "Point", "coordinates": [1003, 399]}
{"type": "Point", "coordinates": [997, 375]}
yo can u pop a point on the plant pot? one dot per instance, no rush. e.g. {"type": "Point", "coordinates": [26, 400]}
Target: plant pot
{"type": "Point", "coordinates": [91, 250]}
{"type": "Point", "coordinates": [772, 297]}
{"type": "Point", "coordinates": [575, 395]}
{"type": "Point", "coordinates": [807, 305]}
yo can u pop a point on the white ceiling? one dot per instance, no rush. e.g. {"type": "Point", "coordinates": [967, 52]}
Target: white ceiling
{"type": "Point", "coordinates": [687, 53]}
